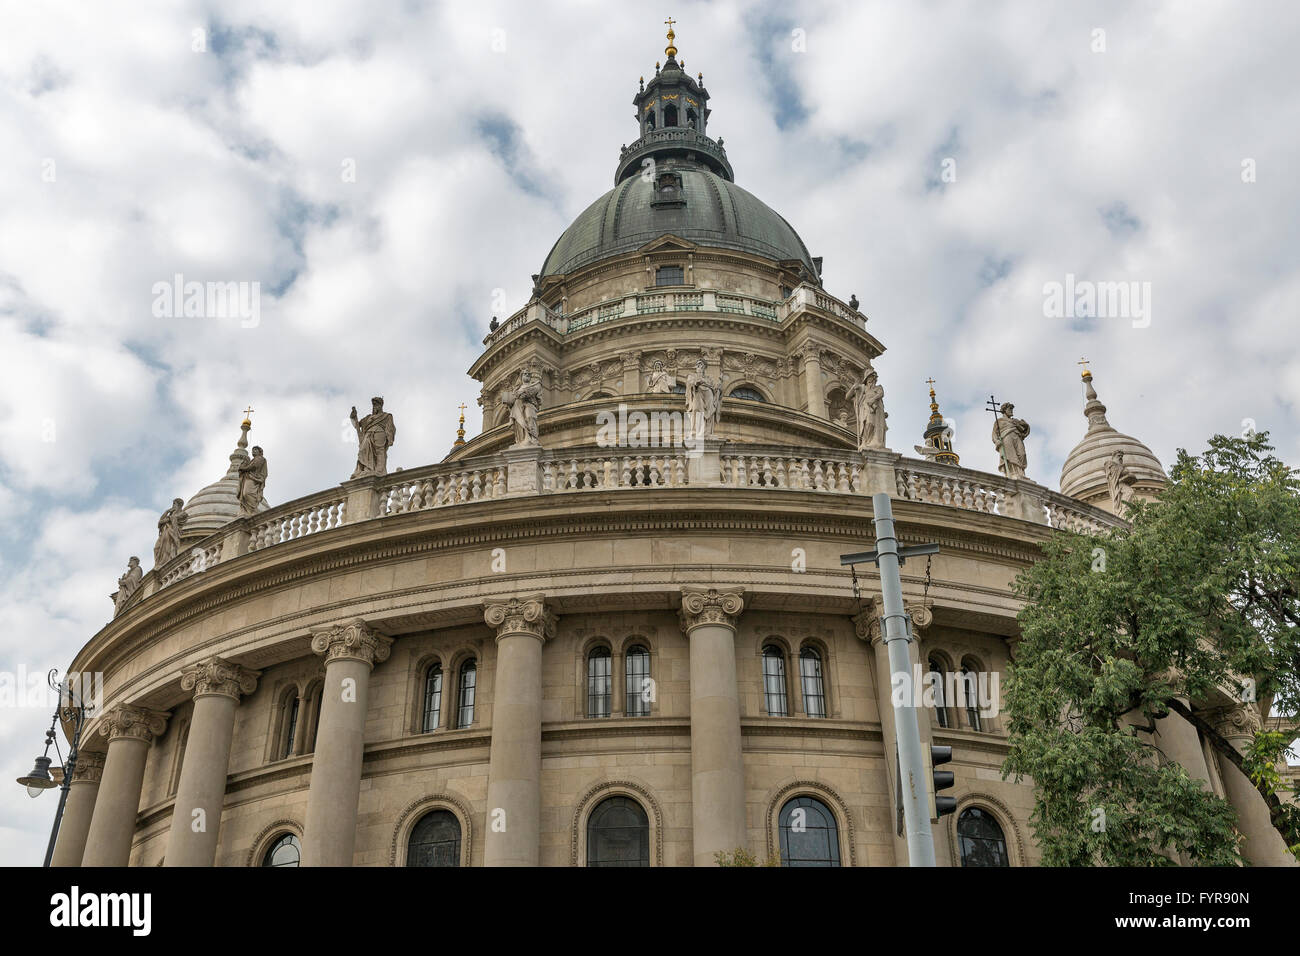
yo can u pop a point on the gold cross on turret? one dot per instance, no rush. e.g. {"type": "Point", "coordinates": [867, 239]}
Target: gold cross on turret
{"type": "Point", "coordinates": [1084, 362]}
{"type": "Point", "coordinates": [670, 49]}
{"type": "Point", "coordinates": [248, 411]}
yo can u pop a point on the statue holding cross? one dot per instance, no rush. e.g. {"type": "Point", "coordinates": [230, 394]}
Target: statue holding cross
{"type": "Point", "coordinates": [1009, 434]}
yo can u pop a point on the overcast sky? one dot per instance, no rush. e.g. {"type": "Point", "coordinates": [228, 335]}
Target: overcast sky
{"type": "Point", "coordinates": [478, 131]}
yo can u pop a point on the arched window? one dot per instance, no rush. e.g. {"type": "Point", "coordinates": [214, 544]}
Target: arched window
{"type": "Point", "coordinates": [316, 698]}
{"type": "Point", "coordinates": [670, 115]}
{"type": "Point", "coordinates": [810, 676]}
{"type": "Point", "coordinates": [285, 851]}
{"type": "Point", "coordinates": [970, 697]}
{"type": "Point", "coordinates": [940, 704]}
{"type": "Point", "coordinates": [981, 839]}
{"type": "Point", "coordinates": [809, 836]}
{"type": "Point", "coordinates": [745, 392]}
{"type": "Point", "coordinates": [639, 689]}
{"type": "Point", "coordinates": [618, 834]}
{"type": "Point", "coordinates": [599, 682]}
{"type": "Point", "coordinates": [432, 697]}
{"type": "Point", "coordinates": [434, 840]}
{"type": "Point", "coordinates": [465, 697]}
{"type": "Point", "coordinates": [288, 723]}
{"type": "Point", "coordinates": [692, 118]}
{"type": "Point", "coordinates": [774, 681]}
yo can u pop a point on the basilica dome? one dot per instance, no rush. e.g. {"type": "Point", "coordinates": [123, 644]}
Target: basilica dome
{"type": "Point", "coordinates": [1083, 476]}
{"type": "Point", "coordinates": [216, 505]}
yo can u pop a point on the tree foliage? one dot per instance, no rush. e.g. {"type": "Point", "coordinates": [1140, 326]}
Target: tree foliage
{"type": "Point", "coordinates": [1200, 591]}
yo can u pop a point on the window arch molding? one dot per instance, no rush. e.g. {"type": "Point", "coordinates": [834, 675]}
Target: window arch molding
{"type": "Point", "coordinates": [281, 739]}
{"type": "Point", "coordinates": [789, 665]}
{"type": "Point", "coordinates": [597, 795]}
{"type": "Point", "coordinates": [824, 794]}
{"type": "Point", "coordinates": [423, 664]}
{"type": "Point", "coordinates": [968, 690]}
{"type": "Point", "coordinates": [267, 837]}
{"type": "Point", "coordinates": [830, 700]}
{"type": "Point", "coordinates": [752, 386]}
{"type": "Point", "coordinates": [999, 812]}
{"type": "Point", "coordinates": [950, 705]}
{"type": "Point", "coordinates": [416, 810]}
{"type": "Point", "coordinates": [309, 715]}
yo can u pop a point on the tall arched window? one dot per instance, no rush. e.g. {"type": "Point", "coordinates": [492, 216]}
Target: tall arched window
{"type": "Point", "coordinates": [774, 681]}
{"type": "Point", "coordinates": [465, 695]}
{"type": "Point", "coordinates": [809, 835]}
{"type": "Point", "coordinates": [814, 688]}
{"type": "Point", "coordinates": [940, 704]}
{"type": "Point", "coordinates": [434, 840]}
{"type": "Point", "coordinates": [970, 696]}
{"type": "Point", "coordinates": [600, 686]}
{"type": "Point", "coordinates": [618, 834]}
{"type": "Point", "coordinates": [285, 851]}
{"type": "Point", "coordinates": [288, 723]}
{"type": "Point", "coordinates": [670, 115]}
{"type": "Point", "coordinates": [315, 699]}
{"type": "Point", "coordinates": [638, 689]}
{"type": "Point", "coordinates": [432, 697]}
{"type": "Point", "coordinates": [981, 839]}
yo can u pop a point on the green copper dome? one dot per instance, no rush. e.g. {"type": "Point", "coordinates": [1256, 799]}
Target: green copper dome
{"type": "Point", "coordinates": [706, 209]}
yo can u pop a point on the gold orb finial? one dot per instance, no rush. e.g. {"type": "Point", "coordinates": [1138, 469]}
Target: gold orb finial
{"type": "Point", "coordinates": [247, 422]}
{"type": "Point", "coordinates": [1087, 373]}
{"type": "Point", "coordinates": [670, 49]}
{"type": "Point", "coordinates": [460, 431]}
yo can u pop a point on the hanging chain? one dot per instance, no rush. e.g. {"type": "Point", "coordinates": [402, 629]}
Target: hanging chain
{"type": "Point", "coordinates": [857, 588]}
{"type": "Point", "coordinates": [925, 593]}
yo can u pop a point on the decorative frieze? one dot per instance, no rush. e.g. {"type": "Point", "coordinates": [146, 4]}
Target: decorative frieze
{"type": "Point", "coordinates": [515, 616]}
{"type": "Point", "coordinates": [710, 606]}
{"type": "Point", "coordinates": [218, 676]}
{"type": "Point", "coordinates": [354, 640]}
{"type": "Point", "coordinates": [136, 723]}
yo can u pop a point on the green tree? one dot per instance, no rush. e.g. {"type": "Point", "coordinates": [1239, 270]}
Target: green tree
{"type": "Point", "coordinates": [1199, 591]}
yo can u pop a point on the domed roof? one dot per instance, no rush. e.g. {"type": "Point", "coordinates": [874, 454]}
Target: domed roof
{"type": "Point", "coordinates": [1084, 474]}
{"type": "Point", "coordinates": [215, 506]}
{"type": "Point", "coordinates": [708, 210]}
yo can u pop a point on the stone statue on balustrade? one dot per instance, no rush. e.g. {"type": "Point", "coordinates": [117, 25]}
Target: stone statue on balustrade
{"type": "Point", "coordinates": [252, 481]}
{"type": "Point", "coordinates": [703, 402]}
{"type": "Point", "coordinates": [127, 585]}
{"type": "Point", "coordinates": [660, 380]}
{"type": "Point", "coordinates": [375, 435]}
{"type": "Point", "coordinates": [524, 402]}
{"type": "Point", "coordinates": [170, 524]}
{"type": "Point", "coordinates": [868, 398]}
{"type": "Point", "coordinates": [1009, 434]}
{"type": "Point", "coordinates": [1120, 481]}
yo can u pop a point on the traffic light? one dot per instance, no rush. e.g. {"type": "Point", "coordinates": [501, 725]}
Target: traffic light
{"type": "Point", "coordinates": [939, 780]}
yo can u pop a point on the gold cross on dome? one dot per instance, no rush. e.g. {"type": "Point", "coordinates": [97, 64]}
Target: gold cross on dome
{"type": "Point", "coordinates": [930, 382]}
{"type": "Point", "coordinates": [670, 21]}
{"type": "Point", "coordinates": [1084, 362]}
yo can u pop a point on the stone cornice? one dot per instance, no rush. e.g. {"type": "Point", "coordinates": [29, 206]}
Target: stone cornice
{"type": "Point", "coordinates": [353, 640]}
{"type": "Point", "coordinates": [133, 723]}
{"type": "Point", "coordinates": [702, 606]}
{"type": "Point", "coordinates": [512, 617]}
{"type": "Point", "coordinates": [217, 677]}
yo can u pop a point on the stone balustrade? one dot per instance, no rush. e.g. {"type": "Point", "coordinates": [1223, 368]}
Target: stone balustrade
{"type": "Point", "coordinates": [297, 519]}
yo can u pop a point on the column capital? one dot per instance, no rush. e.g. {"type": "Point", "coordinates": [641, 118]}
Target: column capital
{"type": "Point", "coordinates": [710, 606]}
{"type": "Point", "coordinates": [520, 616]}
{"type": "Point", "coordinates": [135, 723]}
{"type": "Point", "coordinates": [867, 623]}
{"type": "Point", "coordinates": [353, 640]}
{"type": "Point", "coordinates": [1236, 722]}
{"type": "Point", "coordinates": [217, 676]}
{"type": "Point", "coordinates": [90, 767]}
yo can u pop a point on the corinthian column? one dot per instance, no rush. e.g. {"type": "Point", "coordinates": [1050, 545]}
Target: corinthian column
{"type": "Point", "coordinates": [130, 731]}
{"type": "Point", "coordinates": [1263, 845]}
{"type": "Point", "coordinates": [73, 830]}
{"type": "Point", "coordinates": [201, 793]}
{"type": "Point", "coordinates": [351, 651]}
{"type": "Point", "coordinates": [515, 767]}
{"type": "Point", "coordinates": [708, 619]}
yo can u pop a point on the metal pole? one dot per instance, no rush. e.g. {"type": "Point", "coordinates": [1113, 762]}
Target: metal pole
{"type": "Point", "coordinates": [911, 763]}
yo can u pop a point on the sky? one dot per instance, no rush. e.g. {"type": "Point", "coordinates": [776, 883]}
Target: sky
{"type": "Point", "coordinates": [391, 174]}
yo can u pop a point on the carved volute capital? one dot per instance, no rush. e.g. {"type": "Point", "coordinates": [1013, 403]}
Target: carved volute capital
{"type": "Point", "coordinates": [217, 676]}
{"type": "Point", "coordinates": [1236, 723]}
{"type": "Point", "coordinates": [135, 723]}
{"type": "Point", "coordinates": [867, 623]}
{"type": "Point", "coordinates": [90, 767]}
{"type": "Point", "coordinates": [354, 640]}
{"type": "Point", "coordinates": [710, 606]}
{"type": "Point", "coordinates": [515, 616]}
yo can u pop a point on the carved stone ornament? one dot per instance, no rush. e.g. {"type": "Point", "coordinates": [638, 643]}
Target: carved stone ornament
{"type": "Point", "coordinates": [352, 641]}
{"type": "Point", "coordinates": [514, 616]}
{"type": "Point", "coordinates": [137, 723]}
{"type": "Point", "coordinates": [710, 606]}
{"type": "Point", "coordinates": [867, 624]}
{"type": "Point", "coordinates": [217, 676]}
{"type": "Point", "coordinates": [90, 767]}
{"type": "Point", "coordinates": [1239, 720]}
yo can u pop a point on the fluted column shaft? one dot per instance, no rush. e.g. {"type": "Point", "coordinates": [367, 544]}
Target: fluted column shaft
{"type": "Point", "coordinates": [708, 619]}
{"type": "Point", "coordinates": [351, 651]}
{"type": "Point", "coordinates": [201, 793]}
{"type": "Point", "coordinates": [75, 826]}
{"type": "Point", "coordinates": [130, 731]}
{"type": "Point", "coordinates": [513, 831]}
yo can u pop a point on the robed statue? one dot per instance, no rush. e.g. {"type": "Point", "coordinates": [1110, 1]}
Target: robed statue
{"type": "Point", "coordinates": [1120, 481]}
{"type": "Point", "coordinates": [524, 403]}
{"type": "Point", "coordinates": [127, 585]}
{"type": "Point", "coordinates": [868, 398]}
{"type": "Point", "coordinates": [170, 524]}
{"type": "Point", "coordinates": [703, 402]}
{"type": "Point", "coordinates": [660, 379]}
{"type": "Point", "coordinates": [1009, 434]}
{"type": "Point", "coordinates": [375, 435]}
{"type": "Point", "coordinates": [252, 480]}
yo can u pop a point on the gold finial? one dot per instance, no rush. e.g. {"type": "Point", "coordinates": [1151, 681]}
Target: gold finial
{"type": "Point", "coordinates": [247, 422]}
{"type": "Point", "coordinates": [1087, 373]}
{"type": "Point", "coordinates": [460, 432]}
{"type": "Point", "coordinates": [670, 49]}
{"type": "Point", "coordinates": [934, 403]}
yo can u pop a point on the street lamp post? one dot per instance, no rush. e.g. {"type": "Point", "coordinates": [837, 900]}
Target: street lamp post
{"type": "Point", "coordinates": [40, 780]}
